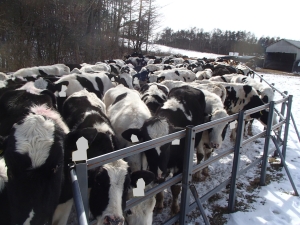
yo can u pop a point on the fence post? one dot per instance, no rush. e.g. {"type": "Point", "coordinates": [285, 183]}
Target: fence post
{"type": "Point", "coordinates": [81, 215]}
{"type": "Point", "coordinates": [81, 170]}
{"type": "Point", "coordinates": [283, 107]}
{"type": "Point", "coordinates": [236, 160]}
{"type": "Point", "coordinates": [187, 174]}
{"type": "Point", "coordinates": [287, 124]}
{"type": "Point", "coordinates": [266, 146]}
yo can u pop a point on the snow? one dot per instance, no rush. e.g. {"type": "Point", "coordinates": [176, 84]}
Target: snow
{"type": "Point", "coordinates": [191, 54]}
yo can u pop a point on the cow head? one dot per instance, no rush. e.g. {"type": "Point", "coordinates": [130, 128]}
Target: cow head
{"type": "Point", "coordinates": [157, 157]}
{"type": "Point", "coordinates": [109, 191]}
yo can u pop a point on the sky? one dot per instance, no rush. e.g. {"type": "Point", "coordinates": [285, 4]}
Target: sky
{"type": "Point", "coordinates": [261, 17]}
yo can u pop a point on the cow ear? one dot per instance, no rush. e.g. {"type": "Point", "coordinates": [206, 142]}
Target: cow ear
{"type": "Point", "coordinates": [160, 79]}
{"type": "Point", "coordinates": [146, 175]}
{"type": "Point", "coordinates": [127, 135]}
{"type": "Point", "coordinates": [42, 73]}
{"type": "Point", "coordinates": [2, 145]}
{"type": "Point", "coordinates": [52, 96]}
{"type": "Point", "coordinates": [58, 86]}
{"type": "Point", "coordinates": [87, 133]}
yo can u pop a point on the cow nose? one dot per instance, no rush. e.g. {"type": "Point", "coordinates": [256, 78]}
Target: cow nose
{"type": "Point", "coordinates": [214, 145]}
{"type": "Point", "coordinates": [113, 220]}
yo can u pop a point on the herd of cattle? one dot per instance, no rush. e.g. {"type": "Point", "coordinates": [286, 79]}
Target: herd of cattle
{"type": "Point", "coordinates": [112, 104]}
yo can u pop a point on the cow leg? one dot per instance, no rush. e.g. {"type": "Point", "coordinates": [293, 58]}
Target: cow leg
{"type": "Point", "coordinates": [249, 131]}
{"type": "Point", "coordinates": [200, 156]}
{"type": "Point", "coordinates": [205, 170]}
{"type": "Point", "coordinates": [202, 152]}
{"type": "Point", "coordinates": [175, 189]}
{"type": "Point", "coordinates": [233, 134]}
{"type": "Point", "coordinates": [159, 202]}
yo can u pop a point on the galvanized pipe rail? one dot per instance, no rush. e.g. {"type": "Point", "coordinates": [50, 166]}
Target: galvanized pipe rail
{"type": "Point", "coordinates": [81, 170]}
{"type": "Point", "coordinates": [283, 94]}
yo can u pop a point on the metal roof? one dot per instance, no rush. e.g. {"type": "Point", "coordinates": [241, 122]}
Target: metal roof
{"type": "Point", "coordinates": [292, 42]}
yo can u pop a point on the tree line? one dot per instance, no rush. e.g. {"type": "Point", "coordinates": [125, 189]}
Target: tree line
{"type": "Point", "coordinates": [35, 32]}
{"type": "Point", "coordinates": [217, 41]}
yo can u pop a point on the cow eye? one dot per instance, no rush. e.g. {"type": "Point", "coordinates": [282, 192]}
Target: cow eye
{"type": "Point", "coordinates": [128, 212]}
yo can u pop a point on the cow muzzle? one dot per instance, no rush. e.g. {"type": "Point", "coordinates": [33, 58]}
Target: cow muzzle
{"type": "Point", "coordinates": [113, 220]}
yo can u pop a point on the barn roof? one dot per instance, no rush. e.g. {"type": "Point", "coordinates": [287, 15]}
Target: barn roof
{"type": "Point", "coordinates": [292, 42]}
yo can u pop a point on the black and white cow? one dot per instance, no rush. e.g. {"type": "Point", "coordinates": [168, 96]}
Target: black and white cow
{"type": "Point", "coordinates": [34, 155]}
{"type": "Point", "coordinates": [174, 74]}
{"type": "Point", "coordinates": [56, 69]}
{"type": "Point", "coordinates": [125, 110]}
{"type": "Point", "coordinates": [213, 137]}
{"type": "Point", "coordinates": [243, 97]}
{"type": "Point", "coordinates": [185, 106]}
{"type": "Point", "coordinates": [109, 193]}
{"type": "Point", "coordinates": [154, 95]}
{"type": "Point", "coordinates": [16, 103]}
{"type": "Point", "coordinates": [84, 113]}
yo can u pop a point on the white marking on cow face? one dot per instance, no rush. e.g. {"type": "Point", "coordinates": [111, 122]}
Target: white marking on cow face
{"type": "Point", "coordinates": [46, 111]}
{"type": "Point", "coordinates": [35, 137]}
{"type": "Point", "coordinates": [31, 215]}
{"type": "Point", "coordinates": [117, 171]}
{"type": "Point", "coordinates": [103, 128]}
{"type": "Point", "coordinates": [142, 213]}
{"type": "Point", "coordinates": [174, 104]}
{"type": "Point", "coordinates": [215, 136]}
{"type": "Point", "coordinates": [3, 174]}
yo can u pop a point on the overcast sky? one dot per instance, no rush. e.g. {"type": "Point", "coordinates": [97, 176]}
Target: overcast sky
{"type": "Point", "coordinates": [261, 17]}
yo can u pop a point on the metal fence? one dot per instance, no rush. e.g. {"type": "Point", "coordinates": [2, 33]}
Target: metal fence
{"type": "Point", "coordinates": [79, 169]}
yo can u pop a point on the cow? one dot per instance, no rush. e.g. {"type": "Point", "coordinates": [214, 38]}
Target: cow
{"type": "Point", "coordinates": [213, 137]}
{"type": "Point", "coordinates": [174, 74]}
{"type": "Point", "coordinates": [84, 114]}
{"type": "Point", "coordinates": [204, 74]}
{"type": "Point", "coordinates": [126, 110]}
{"type": "Point", "coordinates": [109, 192]}
{"type": "Point", "coordinates": [89, 68]}
{"type": "Point", "coordinates": [243, 97]}
{"type": "Point", "coordinates": [154, 95]}
{"type": "Point", "coordinates": [34, 155]}
{"type": "Point", "coordinates": [4, 202]}
{"type": "Point", "coordinates": [15, 104]}
{"type": "Point", "coordinates": [184, 106]}
{"type": "Point", "coordinates": [56, 69]}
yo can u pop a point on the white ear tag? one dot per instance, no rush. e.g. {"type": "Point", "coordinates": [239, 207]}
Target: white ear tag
{"type": "Point", "coordinates": [82, 146]}
{"type": "Point", "coordinates": [140, 190]}
{"type": "Point", "coordinates": [63, 93]}
{"type": "Point", "coordinates": [176, 142]}
{"type": "Point", "coordinates": [112, 79]}
{"type": "Point", "coordinates": [232, 124]}
{"type": "Point", "coordinates": [134, 138]}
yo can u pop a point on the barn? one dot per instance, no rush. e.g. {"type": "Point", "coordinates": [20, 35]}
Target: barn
{"type": "Point", "coordinates": [283, 55]}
